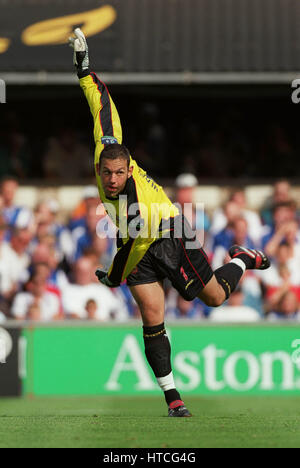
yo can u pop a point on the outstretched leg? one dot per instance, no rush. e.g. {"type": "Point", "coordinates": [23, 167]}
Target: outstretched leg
{"type": "Point", "coordinates": [151, 301]}
{"type": "Point", "coordinates": [226, 278]}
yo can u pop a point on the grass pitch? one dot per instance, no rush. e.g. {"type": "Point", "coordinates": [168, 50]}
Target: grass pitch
{"type": "Point", "coordinates": [108, 422]}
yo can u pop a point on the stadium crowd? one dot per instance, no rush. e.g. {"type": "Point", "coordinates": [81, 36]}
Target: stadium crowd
{"type": "Point", "coordinates": [47, 267]}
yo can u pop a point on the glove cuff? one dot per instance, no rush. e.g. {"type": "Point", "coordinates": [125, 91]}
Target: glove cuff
{"type": "Point", "coordinates": [83, 73]}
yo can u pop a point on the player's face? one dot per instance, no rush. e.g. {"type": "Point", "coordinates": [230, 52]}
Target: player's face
{"type": "Point", "coordinates": [114, 175]}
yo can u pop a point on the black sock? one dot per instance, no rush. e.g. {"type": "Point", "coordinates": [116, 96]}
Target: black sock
{"type": "Point", "coordinates": [158, 354]}
{"type": "Point", "coordinates": [249, 261]}
{"type": "Point", "coordinates": [172, 395]}
{"type": "Point", "coordinates": [228, 276]}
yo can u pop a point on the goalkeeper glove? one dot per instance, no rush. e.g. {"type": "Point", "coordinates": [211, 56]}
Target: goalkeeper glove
{"type": "Point", "coordinates": [81, 54]}
{"type": "Point", "coordinates": [103, 278]}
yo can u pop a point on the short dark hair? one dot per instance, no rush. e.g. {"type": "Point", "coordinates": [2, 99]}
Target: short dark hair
{"type": "Point", "coordinates": [8, 178]}
{"type": "Point", "coordinates": [291, 204]}
{"type": "Point", "coordinates": [115, 151]}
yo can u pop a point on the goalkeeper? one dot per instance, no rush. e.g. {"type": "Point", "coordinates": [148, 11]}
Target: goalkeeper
{"type": "Point", "coordinates": [154, 240]}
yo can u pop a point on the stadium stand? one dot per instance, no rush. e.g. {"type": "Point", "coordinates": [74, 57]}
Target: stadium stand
{"type": "Point", "coordinates": [48, 252]}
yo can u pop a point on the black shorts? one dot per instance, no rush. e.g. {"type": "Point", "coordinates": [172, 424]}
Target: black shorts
{"type": "Point", "coordinates": [187, 268]}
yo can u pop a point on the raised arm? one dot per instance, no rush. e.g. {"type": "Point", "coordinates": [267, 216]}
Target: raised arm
{"type": "Point", "coordinates": [107, 125]}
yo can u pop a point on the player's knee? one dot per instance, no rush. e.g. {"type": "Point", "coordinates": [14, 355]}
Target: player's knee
{"type": "Point", "coordinates": [214, 300]}
{"type": "Point", "coordinates": [213, 294]}
{"type": "Point", "coordinates": [151, 314]}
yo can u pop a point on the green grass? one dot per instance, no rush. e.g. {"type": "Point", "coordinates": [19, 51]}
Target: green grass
{"type": "Point", "coordinates": [141, 422]}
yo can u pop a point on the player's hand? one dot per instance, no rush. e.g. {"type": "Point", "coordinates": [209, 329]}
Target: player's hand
{"type": "Point", "coordinates": [103, 278]}
{"type": "Point", "coordinates": [81, 54]}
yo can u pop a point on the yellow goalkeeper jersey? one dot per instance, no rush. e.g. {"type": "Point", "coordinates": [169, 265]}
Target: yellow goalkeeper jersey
{"type": "Point", "coordinates": [143, 209]}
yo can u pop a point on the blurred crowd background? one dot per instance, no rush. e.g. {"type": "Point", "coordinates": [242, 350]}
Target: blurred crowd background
{"type": "Point", "coordinates": [47, 266]}
{"type": "Point", "coordinates": [48, 254]}
{"type": "Point", "coordinates": [209, 107]}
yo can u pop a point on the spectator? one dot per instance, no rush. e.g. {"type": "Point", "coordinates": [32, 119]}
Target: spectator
{"type": "Point", "coordinates": [97, 224]}
{"type": "Point", "coordinates": [103, 250]}
{"type": "Point", "coordinates": [91, 309]}
{"type": "Point", "coordinates": [235, 233]}
{"type": "Point", "coordinates": [223, 217]}
{"type": "Point", "coordinates": [85, 240]}
{"type": "Point", "coordinates": [283, 213]}
{"type": "Point", "coordinates": [185, 193]}
{"type": "Point", "coordinates": [236, 208]}
{"type": "Point", "coordinates": [43, 270]}
{"type": "Point", "coordinates": [45, 260]}
{"type": "Point", "coordinates": [12, 213]}
{"type": "Point", "coordinates": [281, 194]}
{"type": "Point", "coordinates": [238, 234]}
{"type": "Point", "coordinates": [252, 290]}
{"type": "Point", "coordinates": [85, 288]}
{"type": "Point", "coordinates": [185, 309]}
{"type": "Point", "coordinates": [46, 224]}
{"type": "Point", "coordinates": [253, 220]}
{"type": "Point", "coordinates": [7, 286]}
{"type": "Point", "coordinates": [287, 307]}
{"type": "Point", "coordinates": [282, 276]}
{"type": "Point", "coordinates": [124, 295]}
{"type": "Point", "coordinates": [36, 303]}
{"type": "Point", "coordinates": [288, 233]}
{"type": "Point", "coordinates": [14, 262]}
{"type": "Point", "coordinates": [90, 197]}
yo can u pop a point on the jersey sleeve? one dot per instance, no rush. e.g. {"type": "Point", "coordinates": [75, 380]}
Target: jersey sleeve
{"type": "Point", "coordinates": [107, 125]}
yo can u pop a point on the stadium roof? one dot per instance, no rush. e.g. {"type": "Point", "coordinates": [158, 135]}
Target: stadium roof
{"type": "Point", "coordinates": [176, 41]}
